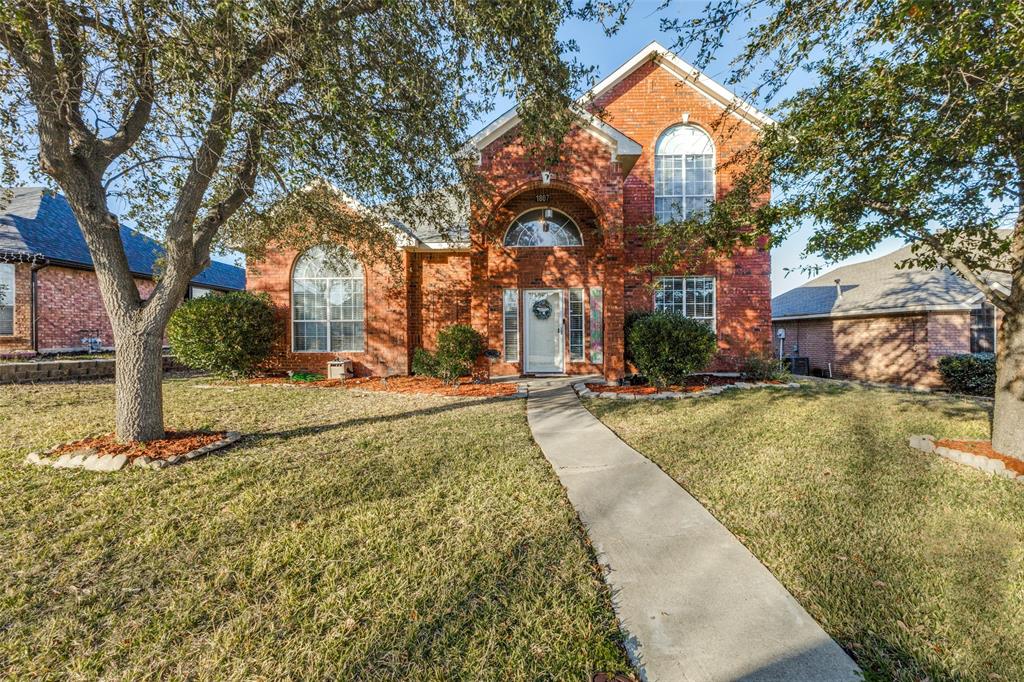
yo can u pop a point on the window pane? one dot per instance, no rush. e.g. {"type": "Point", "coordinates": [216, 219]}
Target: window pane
{"type": "Point", "coordinates": [576, 334]}
{"type": "Point", "coordinates": [347, 337]}
{"type": "Point", "coordinates": [310, 336]}
{"type": "Point", "coordinates": [510, 303]}
{"type": "Point", "coordinates": [309, 299]}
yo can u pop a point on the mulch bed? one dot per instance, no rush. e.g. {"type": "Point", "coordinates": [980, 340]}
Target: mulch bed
{"type": "Point", "coordinates": [175, 443]}
{"type": "Point", "coordinates": [693, 384]}
{"type": "Point", "coordinates": [405, 384]}
{"type": "Point", "coordinates": [983, 448]}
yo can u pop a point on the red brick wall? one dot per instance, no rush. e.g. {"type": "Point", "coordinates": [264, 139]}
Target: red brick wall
{"type": "Point", "coordinates": [68, 302]}
{"type": "Point", "coordinates": [644, 105]}
{"type": "Point", "coordinates": [948, 333]}
{"type": "Point", "coordinates": [440, 295]}
{"type": "Point", "coordinates": [386, 320]}
{"type": "Point", "coordinates": [901, 349]}
{"type": "Point", "coordinates": [22, 338]}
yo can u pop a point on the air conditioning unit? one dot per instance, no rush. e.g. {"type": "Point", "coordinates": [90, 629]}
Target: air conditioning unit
{"type": "Point", "coordinates": [339, 369]}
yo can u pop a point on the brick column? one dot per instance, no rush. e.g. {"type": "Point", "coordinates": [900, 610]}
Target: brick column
{"type": "Point", "coordinates": [614, 302]}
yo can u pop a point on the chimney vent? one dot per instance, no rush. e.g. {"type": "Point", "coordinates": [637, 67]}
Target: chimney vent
{"type": "Point", "coordinates": [839, 290]}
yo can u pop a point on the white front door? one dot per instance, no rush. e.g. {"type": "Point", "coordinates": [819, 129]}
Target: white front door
{"type": "Point", "coordinates": [542, 317]}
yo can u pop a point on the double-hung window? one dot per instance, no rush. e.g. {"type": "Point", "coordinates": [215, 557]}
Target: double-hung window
{"type": "Point", "coordinates": [693, 297]}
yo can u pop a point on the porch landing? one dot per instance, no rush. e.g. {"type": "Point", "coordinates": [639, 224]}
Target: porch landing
{"type": "Point", "coordinates": [693, 603]}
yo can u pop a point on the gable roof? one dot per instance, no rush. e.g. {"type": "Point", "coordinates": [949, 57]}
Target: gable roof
{"type": "Point", "coordinates": [38, 224]}
{"type": "Point", "coordinates": [624, 145]}
{"type": "Point", "coordinates": [877, 287]}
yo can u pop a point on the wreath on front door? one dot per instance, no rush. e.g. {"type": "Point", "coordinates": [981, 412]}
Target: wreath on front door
{"type": "Point", "coordinates": [542, 309]}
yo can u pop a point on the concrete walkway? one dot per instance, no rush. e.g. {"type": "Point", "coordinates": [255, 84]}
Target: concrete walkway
{"type": "Point", "coordinates": [694, 604]}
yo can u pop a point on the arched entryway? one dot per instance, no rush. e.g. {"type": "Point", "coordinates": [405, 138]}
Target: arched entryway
{"type": "Point", "coordinates": [539, 275]}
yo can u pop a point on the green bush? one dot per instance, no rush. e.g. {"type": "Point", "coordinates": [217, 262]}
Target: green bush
{"type": "Point", "coordinates": [970, 373]}
{"type": "Point", "coordinates": [458, 347]}
{"type": "Point", "coordinates": [666, 347]}
{"type": "Point", "coordinates": [424, 363]}
{"type": "Point", "coordinates": [632, 317]}
{"type": "Point", "coordinates": [765, 368]}
{"type": "Point", "coordinates": [224, 334]}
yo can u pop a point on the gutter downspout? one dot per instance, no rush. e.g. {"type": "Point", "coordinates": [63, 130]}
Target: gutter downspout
{"type": "Point", "coordinates": [34, 330]}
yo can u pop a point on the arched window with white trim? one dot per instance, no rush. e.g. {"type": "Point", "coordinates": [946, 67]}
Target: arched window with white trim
{"type": "Point", "coordinates": [327, 303]}
{"type": "Point", "coordinates": [543, 227]}
{"type": "Point", "coordinates": [684, 173]}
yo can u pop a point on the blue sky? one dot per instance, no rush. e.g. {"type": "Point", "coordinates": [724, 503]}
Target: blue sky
{"type": "Point", "coordinates": [643, 26]}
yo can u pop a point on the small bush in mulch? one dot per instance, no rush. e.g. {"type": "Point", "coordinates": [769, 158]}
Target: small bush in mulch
{"type": "Point", "coordinates": [458, 347]}
{"type": "Point", "coordinates": [764, 368]}
{"type": "Point", "coordinates": [666, 347]}
{"type": "Point", "coordinates": [983, 448]}
{"type": "Point", "coordinates": [174, 443]}
{"type": "Point", "coordinates": [970, 373]}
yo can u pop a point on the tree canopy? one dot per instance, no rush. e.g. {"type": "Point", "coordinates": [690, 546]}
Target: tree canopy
{"type": "Point", "coordinates": [913, 128]}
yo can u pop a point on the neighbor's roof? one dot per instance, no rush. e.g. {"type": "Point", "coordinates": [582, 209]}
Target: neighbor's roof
{"type": "Point", "coordinates": [426, 234]}
{"type": "Point", "coordinates": [625, 146]}
{"type": "Point", "coordinates": [36, 223]}
{"type": "Point", "coordinates": [877, 287]}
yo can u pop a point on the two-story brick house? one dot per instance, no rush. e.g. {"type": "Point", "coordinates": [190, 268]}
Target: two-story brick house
{"type": "Point", "coordinates": [551, 263]}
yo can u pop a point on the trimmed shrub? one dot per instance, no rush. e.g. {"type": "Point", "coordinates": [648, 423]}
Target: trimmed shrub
{"type": "Point", "coordinates": [458, 347]}
{"type": "Point", "coordinates": [424, 363]}
{"type": "Point", "coordinates": [970, 373]}
{"type": "Point", "coordinates": [225, 334]}
{"type": "Point", "coordinates": [666, 347]}
{"type": "Point", "coordinates": [631, 318]}
{"type": "Point", "coordinates": [765, 368]}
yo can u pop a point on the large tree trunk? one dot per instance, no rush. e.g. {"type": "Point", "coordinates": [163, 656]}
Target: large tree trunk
{"type": "Point", "coordinates": [138, 387]}
{"type": "Point", "coordinates": [1008, 416]}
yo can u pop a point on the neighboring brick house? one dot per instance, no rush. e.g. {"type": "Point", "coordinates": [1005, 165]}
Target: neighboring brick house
{"type": "Point", "coordinates": [875, 322]}
{"type": "Point", "coordinates": [51, 298]}
{"type": "Point", "coordinates": [551, 262]}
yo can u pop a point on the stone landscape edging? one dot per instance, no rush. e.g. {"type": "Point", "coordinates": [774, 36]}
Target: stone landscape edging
{"type": "Point", "coordinates": [996, 467]}
{"type": "Point", "coordinates": [584, 392]}
{"type": "Point", "coordinates": [107, 463]}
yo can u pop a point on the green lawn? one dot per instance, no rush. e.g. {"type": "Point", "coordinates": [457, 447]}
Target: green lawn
{"type": "Point", "coordinates": [349, 536]}
{"type": "Point", "coordinates": [914, 564]}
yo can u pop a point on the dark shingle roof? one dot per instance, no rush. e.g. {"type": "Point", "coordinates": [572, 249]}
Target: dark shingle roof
{"type": "Point", "coordinates": [38, 223]}
{"type": "Point", "coordinates": [876, 286]}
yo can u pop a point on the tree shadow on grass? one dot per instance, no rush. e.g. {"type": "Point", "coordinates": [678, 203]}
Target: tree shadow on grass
{"type": "Point", "coordinates": [318, 429]}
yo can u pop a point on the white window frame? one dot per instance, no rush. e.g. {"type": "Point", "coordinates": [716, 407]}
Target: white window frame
{"type": "Point", "coordinates": [9, 294]}
{"type": "Point", "coordinates": [680, 283]}
{"type": "Point", "coordinates": [581, 316]}
{"type": "Point", "coordinates": [546, 210]}
{"type": "Point", "coordinates": [510, 310]}
{"type": "Point", "coordinates": [995, 325]}
{"type": "Point", "coordinates": [680, 200]}
{"type": "Point", "coordinates": [329, 280]}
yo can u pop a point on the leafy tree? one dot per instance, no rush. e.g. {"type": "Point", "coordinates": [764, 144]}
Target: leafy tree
{"type": "Point", "coordinates": [200, 120]}
{"type": "Point", "coordinates": [914, 128]}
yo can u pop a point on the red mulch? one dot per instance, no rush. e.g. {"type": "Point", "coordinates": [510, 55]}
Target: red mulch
{"type": "Point", "coordinates": [404, 384]}
{"type": "Point", "coordinates": [176, 443]}
{"type": "Point", "coordinates": [983, 448]}
{"type": "Point", "coordinates": [693, 384]}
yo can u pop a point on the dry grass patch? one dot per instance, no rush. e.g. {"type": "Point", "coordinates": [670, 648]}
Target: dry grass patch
{"type": "Point", "coordinates": [349, 536]}
{"type": "Point", "coordinates": [914, 564]}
